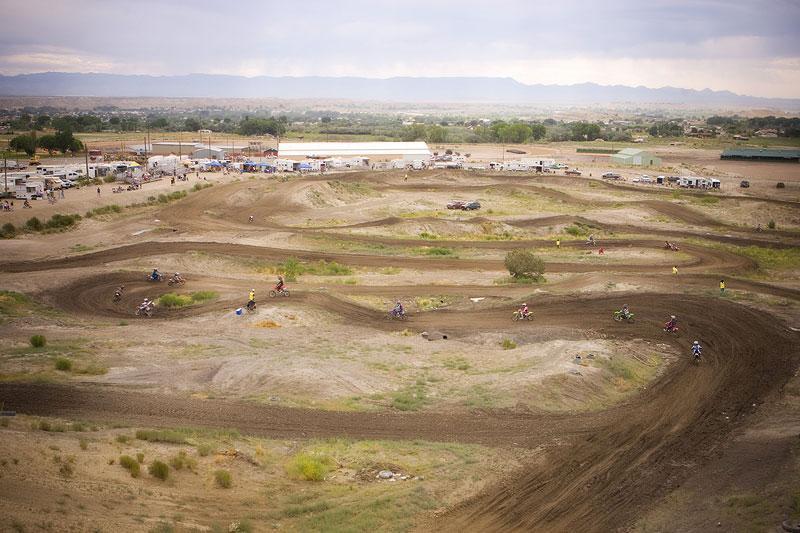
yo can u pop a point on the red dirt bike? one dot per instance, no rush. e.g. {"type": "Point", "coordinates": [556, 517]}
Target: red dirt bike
{"type": "Point", "coordinates": [669, 327]}
{"type": "Point", "coordinates": [518, 315]}
{"type": "Point", "coordinates": [283, 291]}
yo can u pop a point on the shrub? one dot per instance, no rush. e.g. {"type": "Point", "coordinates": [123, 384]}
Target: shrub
{"type": "Point", "coordinates": [109, 179]}
{"type": "Point", "coordinates": [161, 435]}
{"type": "Point", "coordinates": [223, 479]}
{"type": "Point", "coordinates": [123, 439]}
{"type": "Point", "coordinates": [105, 210]}
{"type": "Point", "coordinates": [181, 460]}
{"type": "Point", "coordinates": [771, 224]}
{"type": "Point", "coordinates": [140, 457]}
{"type": "Point", "coordinates": [575, 231]}
{"type": "Point", "coordinates": [508, 344]}
{"type": "Point", "coordinates": [34, 224]}
{"type": "Point", "coordinates": [524, 264]}
{"type": "Point", "coordinates": [174, 300]}
{"type": "Point", "coordinates": [64, 364]}
{"type": "Point", "coordinates": [159, 470]}
{"type": "Point", "coordinates": [202, 296]}
{"type": "Point", "coordinates": [84, 444]}
{"type": "Point", "coordinates": [66, 469]}
{"type": "Point", "coordinates": [780, 185]}
{"type": "Point", "coordinates": [8, 231]}
{"type": "Point", "coordinates": [44, 425]}
{"type": "Point", "coordinates": [129, 463]}
{"type": "Point", "coordinates": [204, 449]}
{"type": "Point", "coordinates": [59, 221]}
{"type": "Point", "coordinates": [309, 467]}
{"type": "Point", "coordinates": [38, 341]}
{"type": "Point", "coordinates": [437, 250]}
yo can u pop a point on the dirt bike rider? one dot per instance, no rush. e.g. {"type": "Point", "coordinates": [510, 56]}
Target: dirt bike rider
{"type": "Point", "coordinates": [176, 278]}
{"type": "Point", "coordinates": [156, 275]}
{"type": "Point", "coordinates": [146, 305]}
{"type": "Point", "coordinates": [398, 309]}
{"type": "Point", "coordinates": [625, 312]}
{"type": "Point", "coordinates": [523, 311]}
{"type": "Point", "coordinates": [118, 292]}
{"type": "Point", "coordinates": [251, 299]}
{"type": "Point", "coordinates": [697, 350]}
{"type": "Point", "coordinates": [280, 285]}
{"type": "Point", "coordinates": [672, 325]}
{"type": "Point", "coordinates": [590, 240]}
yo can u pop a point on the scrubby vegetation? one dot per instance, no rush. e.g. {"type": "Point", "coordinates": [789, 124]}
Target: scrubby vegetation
{"type": "Point", "coordinates": [64, 364]}
{"type": "Point", "coordinates": [105, 210]}
{"type": "Point", "coordinates": [159, 470]}
{"type": "Point", "coordinates": [223, 479]}
{"type": "Point", "coordinates": [181, 461]}
{"type": "Point", "coordinates": [309, 467]}
{"type": "Point", "coordinates": [38, 341]}
{"type": "Point", "coordinates": [130, 464]}
{"type": "Point", "coordinates": [182, 300]}
{"type": "Point", "coordinates": [524, 264]}
{"type": "Point", "coordinates": [292, 268]}
{"type": "Point", "coordinates": [161, 435]}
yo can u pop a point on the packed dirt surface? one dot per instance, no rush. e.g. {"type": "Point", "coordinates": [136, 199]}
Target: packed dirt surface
{"type": "Point", "coordinates": [615, 413]}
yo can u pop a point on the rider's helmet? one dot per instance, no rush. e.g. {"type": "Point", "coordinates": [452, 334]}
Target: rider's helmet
{"type": "Point", "coordinates": [177, 274]}
{"type": "Point", "coordinates": [252, 290]}
{"type": "Point", "coordinates": [695, 343]}
{"type": "Point", "coordinates": [672, 317]}
{"type": "Point", "coordinates": [524, 305]}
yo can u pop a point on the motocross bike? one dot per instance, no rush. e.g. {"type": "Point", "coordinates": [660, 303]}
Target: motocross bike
{"type": "Point", "coordinates": [619, 316]}
{"type": "Point", "coordinates": [519, 316]}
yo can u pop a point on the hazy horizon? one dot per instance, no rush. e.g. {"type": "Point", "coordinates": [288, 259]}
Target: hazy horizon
{"type": "Point", "coordinates": [746, 47]}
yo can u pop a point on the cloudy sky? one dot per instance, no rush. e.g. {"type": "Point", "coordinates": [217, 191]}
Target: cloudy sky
{"type": "Point", "coordinates": [749, 47]}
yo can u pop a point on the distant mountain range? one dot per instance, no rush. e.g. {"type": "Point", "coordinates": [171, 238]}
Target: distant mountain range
{"type": "Point", "coordinates": [402, 89]}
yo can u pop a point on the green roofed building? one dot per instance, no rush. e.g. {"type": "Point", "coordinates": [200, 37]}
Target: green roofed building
{"type": "Point", "coordinates": [761, 154]}
{"type": "Point", "coordinates": [635, 157]}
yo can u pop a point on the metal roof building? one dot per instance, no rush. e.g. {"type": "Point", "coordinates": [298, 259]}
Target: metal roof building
{"type": "Point", "coordinates": [412, 150]}
{"type": "Point", "coordinates": [635, 156]}
{"type": "Point", "coordinates": [761, 154]}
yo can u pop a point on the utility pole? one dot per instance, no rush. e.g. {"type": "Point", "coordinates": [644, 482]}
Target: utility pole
{"type": "Point", "coordinates": [5, 171]}
{"type": "Point", "coordinates": [86, 153]}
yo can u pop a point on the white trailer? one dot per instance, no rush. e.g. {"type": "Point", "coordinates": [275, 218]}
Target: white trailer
{"type": "Point", "coordinates": [27, 189]}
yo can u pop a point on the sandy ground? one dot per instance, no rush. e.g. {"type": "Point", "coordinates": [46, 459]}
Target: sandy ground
{"type": "Point", "coordinates": [327, 361]}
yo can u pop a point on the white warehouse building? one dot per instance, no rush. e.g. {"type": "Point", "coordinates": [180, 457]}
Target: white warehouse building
{"type": "Point", "coordinates": [369, 150]}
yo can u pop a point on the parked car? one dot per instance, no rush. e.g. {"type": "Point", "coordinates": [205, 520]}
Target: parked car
{"type": "Point", "coordinates": [744, 184]}
{"type": "Point", "coordinates": [646, 179]}
{"type": "Point", "coordinates": [573, 172]}
{"type": "Point", "coordinates": [611, 176]}
{"type": "Point", "coordinates": [637, 179]}
{"type": "Point", "coordinates": [471, 206]}
{"type": "Point", "coordinates": [456, 204]}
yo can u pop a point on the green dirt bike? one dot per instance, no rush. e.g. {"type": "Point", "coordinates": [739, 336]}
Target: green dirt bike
{"type": "Point", "coordinates": [619, 316]}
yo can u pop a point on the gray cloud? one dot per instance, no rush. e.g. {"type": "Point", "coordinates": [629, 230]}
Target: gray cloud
{"type": "Point", "coordinates": [750, 47]}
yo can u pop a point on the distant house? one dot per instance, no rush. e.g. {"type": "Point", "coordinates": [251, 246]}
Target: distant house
{"type": "Point", "coordinates": [635, 157]}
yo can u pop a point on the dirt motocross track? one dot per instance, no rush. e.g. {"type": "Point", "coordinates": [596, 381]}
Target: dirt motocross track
{"type": "Point", "coordinates": [602, 469]}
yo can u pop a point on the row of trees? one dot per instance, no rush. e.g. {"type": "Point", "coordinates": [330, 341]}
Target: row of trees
{"type": "Point", "coordinates": [62, 141]}
{"type": "Point", "coordinates": [785, 126]}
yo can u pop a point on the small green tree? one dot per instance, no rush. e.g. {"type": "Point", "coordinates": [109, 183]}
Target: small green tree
{"type": "Point", "coordinates": [23, 143]}
{"type": "Point", "coordinates": [524, 264]}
